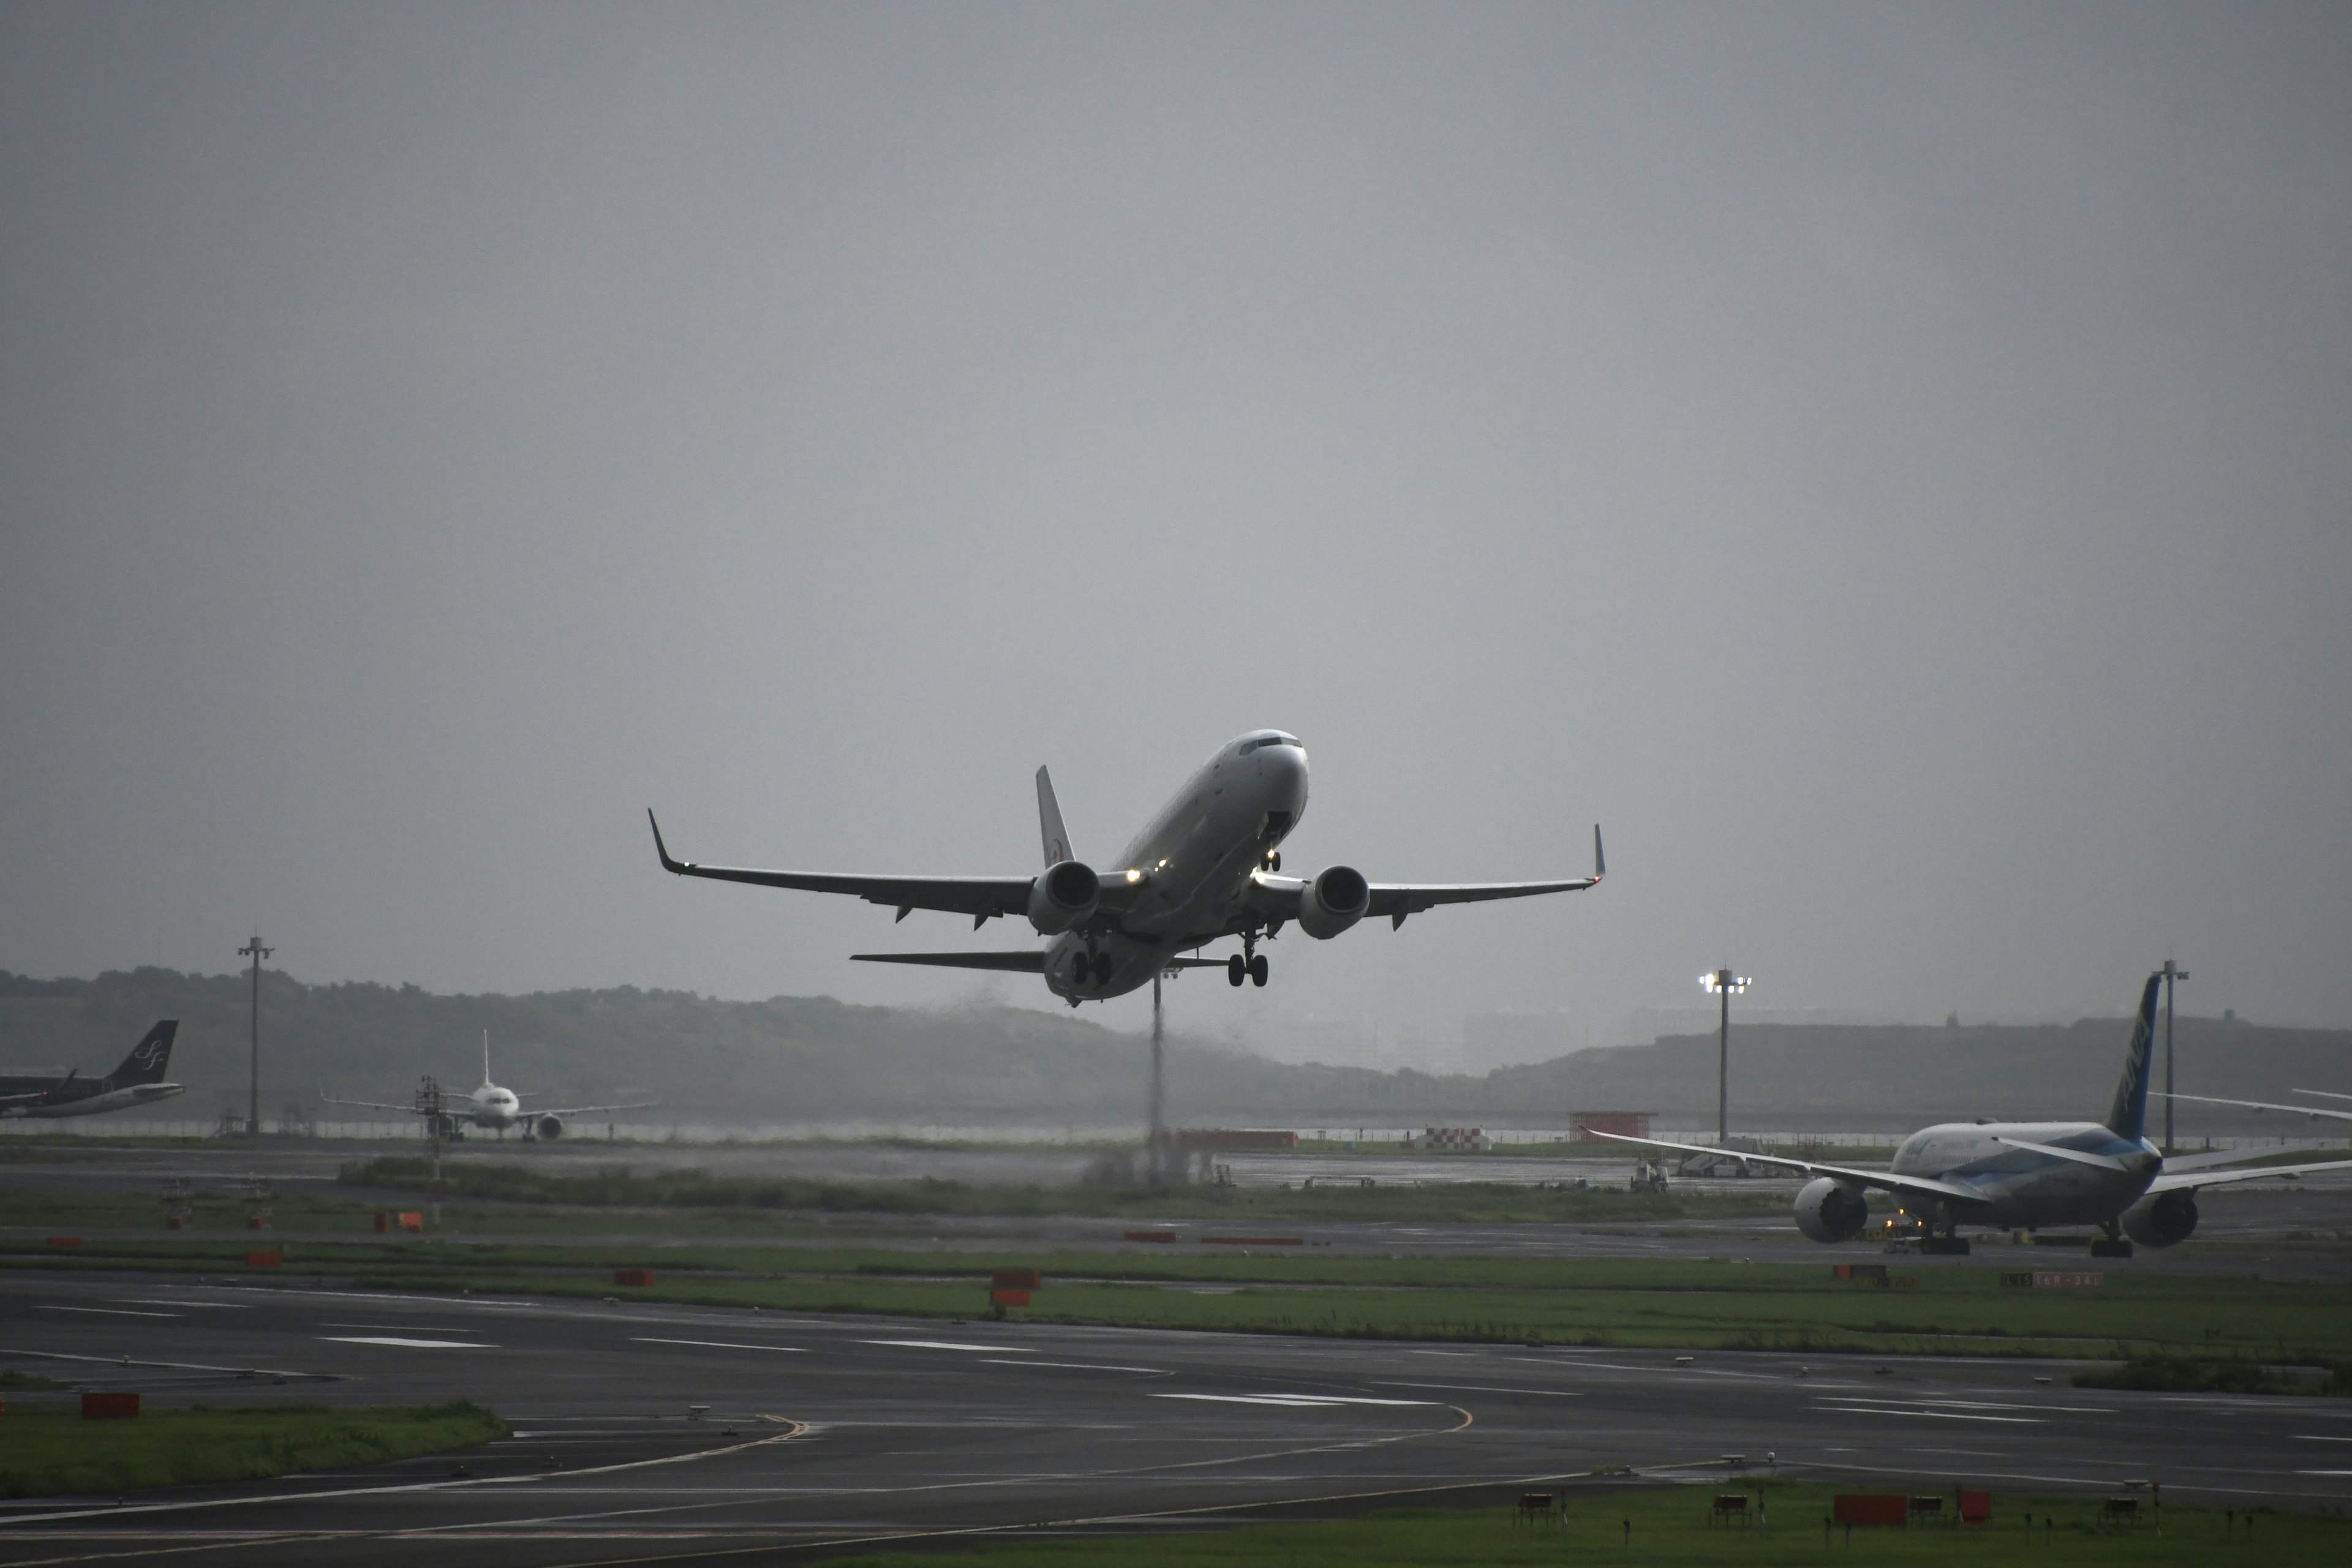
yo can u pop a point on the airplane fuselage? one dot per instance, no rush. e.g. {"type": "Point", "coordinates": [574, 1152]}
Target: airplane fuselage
{"type": "Point", "coordinates": [1193, 861]}
{"type": "Point", "coordinates": [2025, 1188]}
{"type": "Point", "coordinates": [89, 1099]}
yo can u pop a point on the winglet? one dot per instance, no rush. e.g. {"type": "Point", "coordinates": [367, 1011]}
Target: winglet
{"type": "Point", "coordinates": [1599, 865]}
{"type": "Point", "coordinates": [677, 867]}
{"type": "Point", "coordinates": [1049, 823]}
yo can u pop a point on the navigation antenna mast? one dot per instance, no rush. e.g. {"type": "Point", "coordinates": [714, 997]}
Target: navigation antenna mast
{"type": "Point", "coordinates": [1725, 984]}
{"type": "Point", "coordinates": [255, 951]}
{"type": "Point", "coordinates": [429, 1105]}
{"type": "Point", "coordinates": [1151, 1156]}
{"type": "Point", "coordinates": [2171, 972]}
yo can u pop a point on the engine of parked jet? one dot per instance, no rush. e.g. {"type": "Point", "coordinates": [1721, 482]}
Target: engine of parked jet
{"type": "Point", "coordinates": [2162, 1219]}
{"type": "Point", "coordinates": [1333, 902]}
{"type": "Point", "coordinates": [1063, 897]}
{"type": "Point", "coordinates": [549, 1127]}
{"type": "Point", "coordinates": [1830, 1210]}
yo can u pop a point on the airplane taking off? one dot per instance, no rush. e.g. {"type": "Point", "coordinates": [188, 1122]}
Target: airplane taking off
{"type": "Point", "coordinates": [137, 1082]}
{"type": "Point", "coordinates": [2026, 1174]}
{"type": "Point", "coordinates": [1207, 866]}
{"type": "Point", "coordinates": [491, 1108]}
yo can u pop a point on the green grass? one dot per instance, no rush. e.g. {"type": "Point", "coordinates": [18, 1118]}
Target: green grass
{"type": "Point", "coordinates": [55, 1453]}
{"type": "Point", "coordinates": [2191, 1374]}
{"type": "Point", "coordinates": [1670, 1526]}
{"type": "Point", "coordinates": [1459, 1202]}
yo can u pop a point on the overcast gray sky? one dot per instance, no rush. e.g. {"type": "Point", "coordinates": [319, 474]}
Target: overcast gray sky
{"type": "Point", "coordinates": [1890, 465]}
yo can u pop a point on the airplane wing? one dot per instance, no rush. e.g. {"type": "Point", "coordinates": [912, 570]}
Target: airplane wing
{"type": "Point", "coordinates": [1397, 900]}
{"type": "Point", "coordinates": [584, 1110]}
{"type": "Point", "coordinates": [1015, 963]}
{"type": "Point", "coordinates": [2172, 1181]}
{"type": "Point", "coordinates": [367, 1104]}
{"type": "Point", "coordinates": [2270, 1105]}
{"type": "Point", "coordinates": [1924, 1186]}
{"type": "Point", "coordinates": [982, 897]}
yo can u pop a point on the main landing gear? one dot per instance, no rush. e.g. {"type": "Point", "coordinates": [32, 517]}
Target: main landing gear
{"type": "Point", "coordinates": [1249, 962]}
{"type": "Point", "coordinates": [1096, 965]}
{"type": "Point", "coordinates": [2113, 1243]}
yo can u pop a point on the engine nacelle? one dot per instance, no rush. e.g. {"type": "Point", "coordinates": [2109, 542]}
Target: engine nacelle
{"type": "Point", "coordinates": [1333, 902]}
{"type": "Point", "coordinates": [1064, 897]}
{"type": "Point", "coordinates": [2162, 1219]}
{"type": "Point", "coordinates": [1828, 1210]}
{"type": "Point", "coordinates": [549, 1127]}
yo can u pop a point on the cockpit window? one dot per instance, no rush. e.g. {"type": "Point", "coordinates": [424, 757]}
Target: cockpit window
{"type": "Point", "coordinates": [1252, 745]}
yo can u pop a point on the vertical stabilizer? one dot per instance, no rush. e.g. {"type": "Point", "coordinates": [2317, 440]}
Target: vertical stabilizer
{"type": "Point", "coordinates": [1049, 823]}
{"type": "Point", "coordinates": [2128, 1118]}
{"type": "Point", "coordinates": [485, 1058]}
{"type": "Point", "coordinates": [150, 1057]}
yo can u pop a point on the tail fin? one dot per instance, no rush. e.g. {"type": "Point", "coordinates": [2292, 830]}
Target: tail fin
{"type": "Point", "coordinates": [1049, 823]}
{"type": "Point", "coordinates": [150, 1058]}
{"type": "Point", "coordinates": [2128, 1118]}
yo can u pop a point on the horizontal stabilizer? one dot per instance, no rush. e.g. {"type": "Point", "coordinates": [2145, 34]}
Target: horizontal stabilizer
{"type": "Point", "coordinates": [1015, 963]}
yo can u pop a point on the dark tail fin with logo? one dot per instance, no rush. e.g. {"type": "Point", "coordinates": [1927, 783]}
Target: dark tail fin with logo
{"type": "Point", "coordinates": [150, 1058]}
{"type": "Point", "coordinates": [2128, 1118]}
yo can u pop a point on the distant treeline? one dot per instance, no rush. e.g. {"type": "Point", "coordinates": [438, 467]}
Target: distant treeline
{"type": "Point", "coordinates": [812, 1059]}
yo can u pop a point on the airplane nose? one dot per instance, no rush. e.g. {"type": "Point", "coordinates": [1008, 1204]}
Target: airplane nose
{"type": "Point", "coordinates": [1284, 772]}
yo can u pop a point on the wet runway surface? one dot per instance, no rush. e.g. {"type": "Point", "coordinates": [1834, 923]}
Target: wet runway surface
{"type": "Point", "coordinates": [823, 1436]}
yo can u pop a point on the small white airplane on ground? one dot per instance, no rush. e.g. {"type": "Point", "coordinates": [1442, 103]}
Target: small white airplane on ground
{"type": "Point", "coordinates": [1207, 866]}
{"type": "Point", "coordinates": [492, 1108]}
{"type": "Point", "coordinates": [2026, 1174]}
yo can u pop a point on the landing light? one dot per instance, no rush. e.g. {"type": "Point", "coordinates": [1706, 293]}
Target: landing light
{"type": "Point", "coordinates": [1134, 875]}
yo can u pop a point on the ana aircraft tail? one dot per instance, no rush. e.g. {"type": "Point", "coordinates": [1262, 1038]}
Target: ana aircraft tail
{"type": "Point", "coordinates": [1049, 824]}
{"type": "Point", "coordinates": [151, 1056]}
{"type": "Point", "coordinates": [2128, 1118]}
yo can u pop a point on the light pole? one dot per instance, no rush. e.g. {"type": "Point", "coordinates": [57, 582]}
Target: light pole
{"type": "Point", "coordinates": [2171, 972]}
{"type": "Point", "coordinates": [1726, 984]}
{"type": "Point", "coordinates": [255, 951]}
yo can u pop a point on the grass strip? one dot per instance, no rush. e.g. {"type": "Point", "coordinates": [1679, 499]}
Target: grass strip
{"type": "Point", "coordinates": [56, 1453]}
{"type": "Point", "coordinates": [1673, 1525]}
{"type": "Point", "coordinates": [1460, 1202]}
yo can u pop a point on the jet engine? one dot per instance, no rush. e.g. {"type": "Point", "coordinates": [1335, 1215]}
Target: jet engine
{"type": "Point", "coordinates": [1830, 1210]}
{"type": "Point", "coordinates": [2162, 1219]}
{"type": "Point", "coordinates": [1064, 897]}
{"type": "Point", "coordinates": [1333, 902]}
{"type": "Point", "coordinates": [549, 1127]}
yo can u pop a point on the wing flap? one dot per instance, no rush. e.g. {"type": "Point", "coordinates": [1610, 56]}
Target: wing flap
{"type": "Point", "coordinates": [1886, 1179]}
{"type": "Point", "coordinates": [1010, 962]}
{"type": "Point", "coordinates": [984, 897]}
{"type": "Point", "coordinates": [2173, 1180]}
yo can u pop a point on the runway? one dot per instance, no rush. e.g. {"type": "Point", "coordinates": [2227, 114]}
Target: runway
{"type": "Point", "coordinates": [824, 1436]}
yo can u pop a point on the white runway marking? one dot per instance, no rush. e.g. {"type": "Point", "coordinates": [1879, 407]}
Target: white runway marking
{"type": "Point", "coordinates": [104, 1312]}
{"type": "Point", "coordinates": [716, 1344]}
{"type": "Point", "coordinates": [157, 1302]}
{"type": "Point", "coordinates": [1079, 1366]}
{"type": "Point", "coordinates": [947, 1345]}
{"type": "Point", "coordinates": [2313, 1438]}
{"type": "Point", "coordinates": [405, 1344]}
{"type": "Point", "coordinates": [1928, 1414]}
{"type": "Point", "coordinates": [1296, 1401]}
{"type": "Point", "coordinates": [1482, 1388]}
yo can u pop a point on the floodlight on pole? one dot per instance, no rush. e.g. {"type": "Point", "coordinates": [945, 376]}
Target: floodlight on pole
{"type": "Point", "coordinates": [2171, 972]}
{"type": "Point", "coordinates": [255, 951]}
{"type": "Point", "coordinates": [1725, 983]}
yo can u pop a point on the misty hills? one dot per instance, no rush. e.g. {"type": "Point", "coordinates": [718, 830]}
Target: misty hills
{"type": "Point", "coordinates": [798, 1059]}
